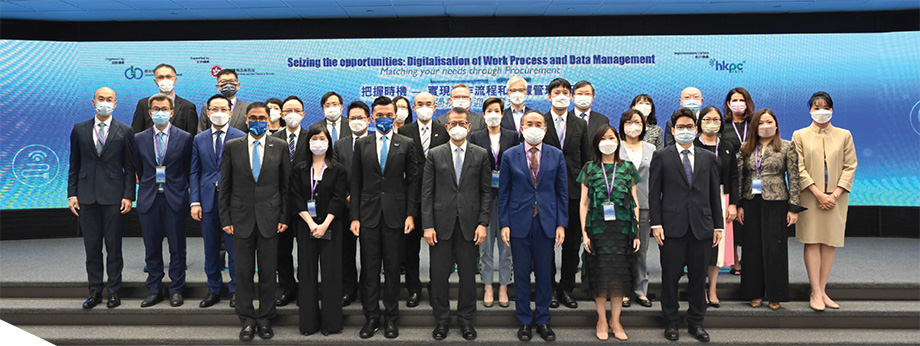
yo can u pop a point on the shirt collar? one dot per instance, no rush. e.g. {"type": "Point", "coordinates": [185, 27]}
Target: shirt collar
{"type": "Point", "coordinates": [214, 129]}
{"type": "Point", "coordinates": [262, 140]}
{"type": "Point", "coordinates": [166, 130]}
{"type": "Point", "coordinates": [527, 147]}
{"type": "Point", "coordinates": [814, 127]}
{"type": "Point", "coordinates": [680, 148]}
{"type": "Point", "coordinates": [287, 133]}
{"type": "Point", "coordinates": [453, 147]}
{"type": "Point", "coordinates": [553, 112]}
{"type": "Point", "coordinates": [389, 136]}
{"type": "Point", "coordinates": [107, 122]}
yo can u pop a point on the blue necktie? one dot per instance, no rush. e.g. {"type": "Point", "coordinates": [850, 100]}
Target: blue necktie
{"type": "Point", "coordinates": [458, 164]}
{"type": "Point", "coordinates": [256, 161]}
{"type": "Point", "coordinates": [219, 147]}
{"type": "Point", "coordinates": [291, 147]}
{"type": "Point", "coordinates": [161, 147]}
{"type": "Point", "coordinates": [383, 153]}
{"type": "Point", "coordinates": [335, 134]}
{"type": "Point", "coordinates": [100, 136]}
{"type": "Point", "coordinates": [687, 170]}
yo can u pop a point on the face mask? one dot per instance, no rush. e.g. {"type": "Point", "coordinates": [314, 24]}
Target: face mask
{"type": "Point", "coordinates": [332, 113]}
{"type": "Point", "coordinates": [493, 119]}
{"type": "Point", "coordinates": [401, 115]}
{"type": "Point", "coordinates": [607, 147]}
{"type": "Point", "coordinates": [357, 126]}
{"type": "Point", "coordinates": [583, 101]}
{"type": "Point", "coordinates": [457, 133]}
{"type": "Point", "coordinates": [766, 131]}
{"type": "Point", "coordinates": [533, 135]}
{"type": "Point", "coordinates": [228, 90]}
{"type": "Point", "coordinates": [160, 118]}
{"type": "Point", "coordinates": [462, 103]}
{"type": "Point", "coordinates": [319, 147]}
{"type": "Point", "coordinates": [517, 98]}
{"type": "Point", "coordinates": [644, 109]}
{"type": "Point", "coordinates": [821, 116]}
{"type": "Point", "coordinates": [258, 128]}
{"type": "Point", "coordinates": [738, 107]}
{"type": "Point", "coordinates": [561, 101]}
{"type": "Point", "coordinates": [684, 136]}
{"type": "Point", "coordinates": [220, 118]}
{"type": "Point", "coordinates": [274, 114]}
{"type": "Point", "coordinates": [710, 129]}
{"type": "Point", "coordinates": [633, 131]}
{"type": "Point", "coordinates": [104, 108]}
{"type": "Point", "coordinates": [424, 113]}
{"type": "Point", "coordinates": [384, 125]}
{"type": "Point", "coordinates": [693, 104]}
{"type": "Point", "coordinates": [292, 120]}
{"type": "Point", "coordinates": [166, 85]}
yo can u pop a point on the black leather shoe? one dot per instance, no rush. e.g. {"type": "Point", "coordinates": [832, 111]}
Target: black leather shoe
{"type": "Point", "coordinates": [645, 302]}
{"type": "Point", "coordinates": [390, 331]}
{"type": "Point", "coordinates": [152, 300]}
{"type": "Point", "coordinates": [566, 300]}
{"type": "Point", "coordinates": [468, 332]}
{"type": "Point", "coordinates": [114, 301]}
{"type": "Point", "coordinates": [699, 333]}
{"type": "Point", "coordinates": [670, 333]}
{"type": "Point", "coordinates": [555, 302]}
{"type": "Point", "coordinates": [347, 299]}
{"type": "Point", "coordinates": [266, 332]}
{"type": "Point", "coordinates": [546, 332]}
{"type": "Point", "coordinates": [440, 331]}
{"type": "Point", "coordinates": [247, 333]}
{"type": "Point", "coordinates": [175, 300]}
{"type": "Point", "coordinates": [524, 333]}
{"type": "Point", "coordinates": [94, 299]}
{"type": "Point", "coordinates": [370, 327]}
{"type": "Point", "coordinates": [232, 299]}
{"type": "Point", "coordinates": [413, 300]}
{"type": "Point", "coordinates": [285, 299]}
{"type": "Point", "coordinates": [209, 300]}
{"type": "Point", "coordinates": [627, 303]}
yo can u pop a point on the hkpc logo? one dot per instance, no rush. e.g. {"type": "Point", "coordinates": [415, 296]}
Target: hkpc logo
{"type": "Point", "coordinates": [731, 67]}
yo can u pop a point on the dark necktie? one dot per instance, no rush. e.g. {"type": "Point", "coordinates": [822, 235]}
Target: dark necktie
{"type": "Point", "coordinates": [219, 146]}
{"type": "Point", "coordinates": [687, 170]}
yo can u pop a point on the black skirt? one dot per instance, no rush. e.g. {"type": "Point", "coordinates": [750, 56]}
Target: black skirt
{"type": "Point", "coordinates": [607, 269]}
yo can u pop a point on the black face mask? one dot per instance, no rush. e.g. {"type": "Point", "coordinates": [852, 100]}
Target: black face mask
{"type": "Point", "coordinates": [228, 89]}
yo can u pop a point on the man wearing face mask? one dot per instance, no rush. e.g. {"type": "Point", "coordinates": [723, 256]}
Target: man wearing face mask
{"type": "Point", "coordinates": [583, 96]}
{"type": "Point", "coordinates": [162, 159]}
{"type": "Point", "coordinates": [686, 217]}
{"type": "Point", "coordinates": [228, 84]}
{"type": "Point", "coordinates": [342, 152]}
{"type": "Point", "coordinates": [456, 198]}
{"type": "Point", "coordinates": [385, 186]}
{"type": "Point", "coordinates": [100, 187]}
{"type": "Point", "coordinates": [460, 97]}
{"type": "Point", "coordinates": [569, 133]}
{"type": "Point", "coordinates": [690, 98]}
{"type": "Point", "coordinates": [207, 148]}
{"type": "Point", "coordinates": [532, 207]}
{"type": "Point", "coordinates": [183, 113]}
{"type": "Point", "coordinates": [426, 135]}
{"type": "Point", "coordinates": [517, 93]}
{"type": "Point", "coordinates": [292, 110]}
{"type": "Point", "coordinates": [333, 121]}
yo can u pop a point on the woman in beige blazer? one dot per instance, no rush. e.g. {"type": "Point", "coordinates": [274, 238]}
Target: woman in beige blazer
{"type": "Point", "coordinates": [827, 166]}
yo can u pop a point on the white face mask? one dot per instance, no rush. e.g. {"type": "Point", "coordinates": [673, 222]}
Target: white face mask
{"type": "Point", "coordinates": [822, 116]}
{"type": "Point", "coordinates": [561, 101]}
{"type": "Point", "coordinates": [644, 109]}
{"type": "Point", "coordinates": [104, 108]}
{"type": "Point", "coordinates": [633, 131]}
{"type": "Point", "coordinates": [275, 114]}
{"type": "Point", "coordinates": [357, 126]}
{"type": "Point", "coordinates": [693, 104]}
{"type": "Point", "coordinates": [457, 133]}
{"type": "Point", "coordinates": [220, 118]}
{"type": "Point", "coordinates": [607, 146]}
{"type": "Point", "coordinates": [462, 103]}
{"type": "Point", "coordinates": [583, 101]}
{"type": "Point", "coordinates": [424, 113]}
{"type": "Point", "coordinates": [493, 119]}
{"type": "Point", "coordinates": [166, 85]}
{"type": "Point", "coordinates": [401, 115]}
{"type": "Point", "coordinates": [332, 113]}
{"type": "Point", "coordinates": [319, 147]}
{"type": "Point", "coordinates": [517, 98]}
{"type": "Point", "coordinates": [292, 120]}
{"type": "Point", "coordinates": [533, 135]}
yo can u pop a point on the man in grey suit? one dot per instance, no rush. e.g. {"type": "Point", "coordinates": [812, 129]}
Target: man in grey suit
{"type": "Point", "coordinates": [456, 201]}
{"type": "Point", "coordinates": [227, 84]}
{"type": "Point", "coordinates": [253, 208]}
{"type": "Point", "coordinates": [335, 123]}
{"type": "Point", "coordinates": [460, 98]}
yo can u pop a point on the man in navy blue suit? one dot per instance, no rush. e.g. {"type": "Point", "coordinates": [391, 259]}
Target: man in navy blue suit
{"type": "Point", "coordinates": [100, 186]}
{"type": "Point", "coordinates": [162, 158]}
{"type": "Point", "coordinates": [207, 149]}
{"type": "Point", "coordinates": [533, 211]}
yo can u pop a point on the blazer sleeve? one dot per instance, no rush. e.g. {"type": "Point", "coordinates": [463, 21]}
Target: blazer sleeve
{"type": "Point", "coordinates": [284, 177]}
{"type": "Point", "coordinates": [295, 187]}
{"type": "Point", "coordinates": [128, 153]}
{"type": "Point", "coordinates": [339, 192]}
{"type": "Point", "coordinates": [187, 155]}
{"type": "Point", "coordinates": [357, 179]}
{"type": "Point", "coordinates": [587, 154]}
{"type": "Point", "coordinates": [428, 181]}
{"type": "Point", "coordinates": [504, 191]}
{"type": "Point", "coordinates": [655, 176]}
{"type": "Point", "coordinates": [140, 116]}
{"type": "Point", "coordinates": [805, 179]}
{"type": "Point", "coordinates": [226, 184]}
{"type": "Point", "coordinates": [73, 173]}
{"type": "Point", "coordinates": [733, 189]}
{"type": "Point", "coordinates": [792, 175]}
{"type": "Point", "coordinates": [194, 175]}
{"type": "Point", "coordinates": [715, 196]}
{"type": "Point", "coordinates": [136, 158]}
{"type": "Point", "coordinates": [849, 164]}
{"type": "Point", "coordinates": [203, 121]}
{"type": "Point", "coordinates": [485, 191]}
{"type": "Point", "coordinates": [562, 193]}
{"type": "Point", "coordinates": [668, 137]}
{"type": "Point", "coordinates": [413, 176]}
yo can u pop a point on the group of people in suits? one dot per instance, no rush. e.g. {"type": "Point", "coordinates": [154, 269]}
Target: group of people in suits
{"type": "Point", "coordinates": [514, 178]}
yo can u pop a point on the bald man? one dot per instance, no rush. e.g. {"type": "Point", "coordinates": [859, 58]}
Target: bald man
{"type": "Point", "coordinates": [691, 98]}
{"type": "Point", "coordinates": [100, 186]}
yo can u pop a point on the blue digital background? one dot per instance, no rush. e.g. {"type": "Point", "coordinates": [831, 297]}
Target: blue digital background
{"type": "Point", "coordinates": [46, 87]}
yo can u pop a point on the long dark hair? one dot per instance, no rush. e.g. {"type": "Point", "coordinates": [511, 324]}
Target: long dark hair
{"type": "Point", "coordinates": [598, 157]}
{"type": "Point", "coordinates": [627, 116]}
{"type": "Point", "coordinates": [754, 136]}
{"type": "Point", "coordinates": [748, 112]}
{"type": "Point", "coordinates": [707, 110]}
{"type": "Point", "coordinates": [409, 107]}
{"type": "Point", "coordinates": [315, 130]}
{"type": "Point", "coordinates": [650, 119]}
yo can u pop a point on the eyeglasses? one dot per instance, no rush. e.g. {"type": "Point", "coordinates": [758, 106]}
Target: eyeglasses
{"type": "Point", "coordinates": [458, 123]}
{"type": "Point", "coordinates": [517, 90]}
{"type": "Point", "coordinates": [286, 111]}
{"type": "Point", "coordinates": [685, 127]}
{"type": "Point", "coordinates": [157, 109]}
{"type": "Point", "coordinates": [263, 118]}
{"type": "Point", "coordinates": [225, 81]}
{"type": "Point", "coordinates": [357, 118]}
{"type": "Point", "coordinates": [461, 97]}
{"type": "Point", "coordinates": [710, 121]}
{"type": "Point", "coordinates": [332, 104]}
{"type": "Point", "coordinates": [165, 76]}
{"type": "Point", "coordinates": [223, 109]}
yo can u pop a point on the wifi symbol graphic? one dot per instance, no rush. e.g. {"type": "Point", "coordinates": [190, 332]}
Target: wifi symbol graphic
{"type": "Point", "coordinates": [37, 155]}
{"type": "Point", "coordinates": [36, 165]}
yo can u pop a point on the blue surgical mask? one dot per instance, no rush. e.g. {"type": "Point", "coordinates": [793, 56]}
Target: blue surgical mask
{"type": "Point", "coordinates": [693, 104]}
{"type": "Point", "coordinates": [684, 136]}
{"type": "Point", "coordinates": [384, 125]}
{"type": "Point", "coordinates": [160, 118]}
{"type": "Point", "coordinates": [258, 128]}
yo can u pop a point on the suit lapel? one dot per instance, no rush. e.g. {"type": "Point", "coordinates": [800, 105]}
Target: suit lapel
{"type": "Point", "coordinates": [245, 158]}
{"type": "Point", "coordinates": [373, 150]}
{"type": "Point", "coordinates": [171, 143]}
{"type": "Point", "coordinates": [680, 163]}
{"type": "Point", "coordinates": [90, 128]}
{"type": "Point", "coordinates": [391, 151]}
{"type": "Point", "coordinates": [211, 147]}
{"type": "Point", "coordinates": [151, 144]}
{"type": "Point", "coordinates": [697, 155]}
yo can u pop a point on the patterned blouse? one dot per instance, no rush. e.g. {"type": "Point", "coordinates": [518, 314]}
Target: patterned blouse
{"type": "Point", "coordinates": [775, 169]}
{"type": "Point", "coordinates": [627, 176]}
{"type": "Point", "coordinates": [655, 135]}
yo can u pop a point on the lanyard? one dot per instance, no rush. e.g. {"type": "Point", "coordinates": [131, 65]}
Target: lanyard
{"type": "Point", "coordinates": [758, 159]}
{"type": "Point", "coordinates": [609, 185]}
{"type": "Point", "coordinates": [314, 182]}
{"type": "Point", "coordinates": [738, 134]}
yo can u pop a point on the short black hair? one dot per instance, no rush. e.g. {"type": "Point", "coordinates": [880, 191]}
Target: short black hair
{"type": "Point", "coordinates": [820, 96]}
{"type": "Point", "coordinates": [489, 101]}
{"type": "Point", "coordinates": [583, 83]}
{"type": "Point", "coordinates": [458, 110]}
{"type": "Point", "coordinates": [627, 116]}
{"type": "Point", "coordinates": [315, 130]}
{"type": "Point", "coordinates": [680, 113]}
{"type": "Point", "coordinates": [326, 96]}
{"type": "Point", "coordinates": [382, 101]}
{"type": "Point", "coordinates": [598, 137]}
{"type": "Point", "coordinates": [255, 105]}
{"type": "Point", "coordinates": [650, 119]}
{"type": "Point", "coordinates": [533, 111]}
{"type": "Point", "coordinates": [361, 105]}
{"type": "Point", "coordinates": [276, 101]}
{"type": "Point", "coordinates": [292, 97]}
{"type": "Point", "coordinates": [409, 108]}
{"type": "Point", "coordinates": [707, 110]}
{"type": "Point", "coordinates": [558, 82]}
{"type": "Point", "coordinates": [165, 65]}
{"type": "Point", "coordinates": [217, 96]}
{"type": "Point", "coordinates": [227, 71]}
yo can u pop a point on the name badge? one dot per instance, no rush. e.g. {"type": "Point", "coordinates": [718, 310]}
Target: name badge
{"type": "Point", "coordinates": [495, 175]}
{"type": "Point", "coordinates": [161, 174]}
{"type": "Point", "coordinates": [757, 186]}
{"type": "Point", "coordinates": [610, 211]}
{"type": "Point", "coordinates": [311, 207]}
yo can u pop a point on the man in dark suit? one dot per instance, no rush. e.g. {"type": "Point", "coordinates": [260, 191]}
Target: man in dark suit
{"type": "Point", "coordinates": [460, 97]}
{"type": "Point", "coordinates": [228, 84]}
{"type": "Point", "coordinates": [517, 93]}
{"type": "Point", "coordinates": [207, 148]}
{"type": "Point", "coordinates": [253, 208]}
{"type": "Point", "coordinates": [385, 188]}
{"type": "Point", "coordinates": [299, 151]}
{"type": "Point", "coordinates": [100, 187]}
{"type": "Point", "coordinates": [532, 200]}
{"type": "Point", "coordinates": [570, 134]}
{"type": "Point", "coordinates": [335, 123]}
{"type": "Point", "coordinates": [343, 149]}
{"type": "Point", "coordinates": [184, 110]}
{"type": "Point", "coordinates": [426, 135]}
{"type": "Point", "coordinates": [163, 157]}
{"type": "Point", "coordinates": [691, 98]}
{"type": "Point", "coordinates": [456, 198]}
{"type": "Point", "coordinates": [686, 217]}
{"type": "Point", "coordinates": [583, 96]}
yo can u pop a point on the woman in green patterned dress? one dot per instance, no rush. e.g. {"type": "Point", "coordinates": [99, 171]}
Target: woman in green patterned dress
{"type": "Point", "coordinates": [609, 214]}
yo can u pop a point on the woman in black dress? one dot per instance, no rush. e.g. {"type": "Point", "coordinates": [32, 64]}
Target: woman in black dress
{"type": "Point", "coordinates": [738, 110]}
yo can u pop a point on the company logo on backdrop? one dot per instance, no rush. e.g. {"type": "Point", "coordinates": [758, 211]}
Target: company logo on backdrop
{"type": "Point", "coordinates": [730, 67]}
{"type": "Point", "coordinates": [134, 72]}
{"type": "Point", "coordinates": [215, 70]}
{"type": "Point", "coordinates": [35, 165]}
{"type": "Point", "coordinates": [240, 71]}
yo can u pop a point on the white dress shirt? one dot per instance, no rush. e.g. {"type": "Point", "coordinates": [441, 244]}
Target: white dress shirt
{"type": "Point", "coordinates": [287, 135]}
{"type": "Point", "coordinates": [680, 150]}
{"type": "Point", "coordinates": [108, 127]}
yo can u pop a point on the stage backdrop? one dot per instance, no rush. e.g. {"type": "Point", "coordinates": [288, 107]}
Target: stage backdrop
{"type": "Point", "coordinates": [46, 87]}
